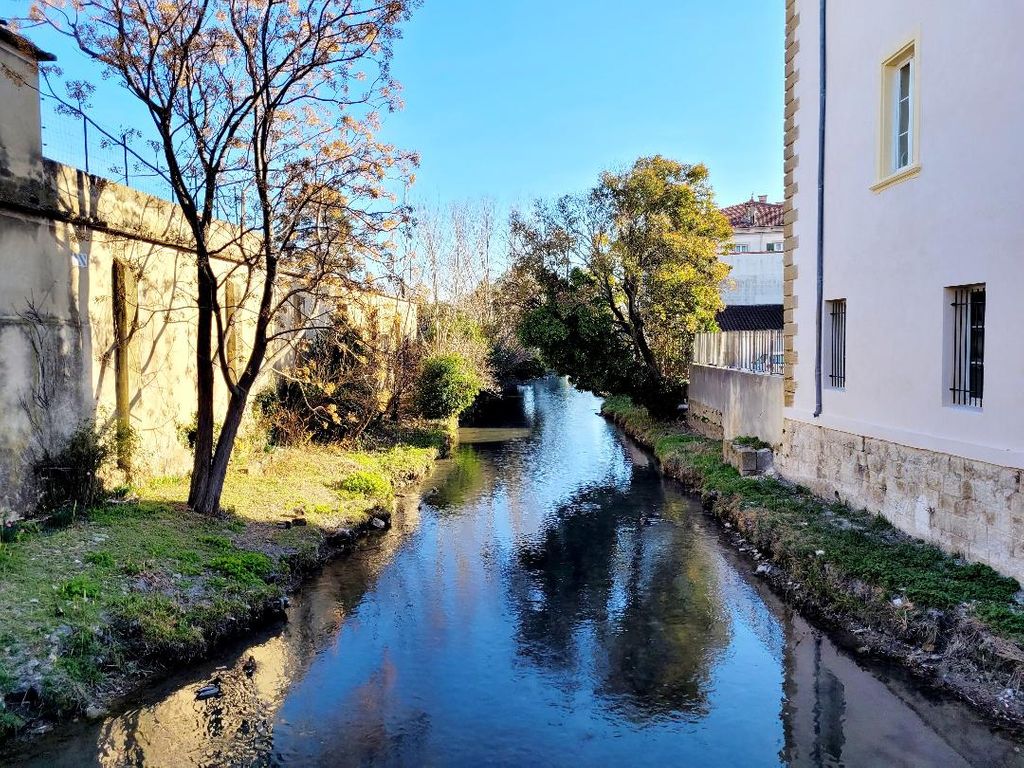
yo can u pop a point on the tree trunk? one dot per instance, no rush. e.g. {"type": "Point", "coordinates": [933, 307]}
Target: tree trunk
{"type": "Point", "coordinates": [209, 502]}
{"type": "Point", "coordinates": [203, 451]}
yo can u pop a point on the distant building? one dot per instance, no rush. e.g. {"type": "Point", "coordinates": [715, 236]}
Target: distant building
{"type": "Point", "coordinates": [755, 254]}
{"type": "Point", "coordinates": [904, 371]}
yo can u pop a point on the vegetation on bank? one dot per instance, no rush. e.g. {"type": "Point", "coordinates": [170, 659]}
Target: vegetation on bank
{"type": "Point", "coordinates": [846, 563]}
{"type": "Point", "coordinates": [139, 578]}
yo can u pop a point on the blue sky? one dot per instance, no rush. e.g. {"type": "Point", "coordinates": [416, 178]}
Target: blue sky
{"type": "Point", "coordinates": [534, 98]}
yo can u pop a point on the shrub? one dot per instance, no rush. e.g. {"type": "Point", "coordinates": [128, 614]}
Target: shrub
{"type": "Point", "coordinates": [69, 480]}
{"type": "Point", "coordinates": [366, 483]}
{"type": "Point", "coordinates": [448, 385]}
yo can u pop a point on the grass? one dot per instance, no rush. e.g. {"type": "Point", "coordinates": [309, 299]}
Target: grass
{"type": "Point", "coordinates": [141, 577]}
{"type": "Point", "coordinates": [828, 546]}
{"type": "Point", "coordinates": [749, 441]}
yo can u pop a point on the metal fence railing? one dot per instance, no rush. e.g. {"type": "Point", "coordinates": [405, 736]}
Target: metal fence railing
{"type": "Point", "coordinates": [754, 351]}
{"type": "Point", "coordinates": [73, 138]}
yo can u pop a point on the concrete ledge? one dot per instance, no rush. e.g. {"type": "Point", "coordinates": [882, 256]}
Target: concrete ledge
{"type": "Point", "coordinates": [727, 403]}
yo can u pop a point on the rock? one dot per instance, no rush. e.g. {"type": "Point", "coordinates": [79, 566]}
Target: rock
{"type": "Point", "coordinates": [763, 569]}
{"type": "Point", "coordinates": [209, 692]}
{"type": "Point", "coordinates": [378, 523]}
{"type": "Point", "coordinates": [299, 522]}
{"type": "Point", "coordinates": [285, 524]}
{"type": "Point", "coordinates": [250, 666]}
{"type": "Point", "coordinates": [94, 712]}
{"type": "Point", "coordinates": [820, 552]}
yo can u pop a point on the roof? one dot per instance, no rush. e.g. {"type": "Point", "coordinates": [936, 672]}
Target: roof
{"type": "Point", "coordinates": [754, 213]}
{"type": "Point", "coordinates": [22, 44]}
{"type": "Point", "coordinates": [751, 317]}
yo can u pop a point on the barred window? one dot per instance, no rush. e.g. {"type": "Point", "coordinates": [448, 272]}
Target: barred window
{"type": "Point", "coordinates": [837, 344]}
{"type": "Point", "coordinates": [967, 383]}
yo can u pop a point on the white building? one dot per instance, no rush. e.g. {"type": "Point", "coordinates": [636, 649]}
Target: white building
{"type": "Point", "coordinates": [904, 361]}
{"type": "Point", "coordinates": [756, 253]}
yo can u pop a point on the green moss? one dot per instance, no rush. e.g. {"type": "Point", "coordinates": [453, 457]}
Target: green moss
{"type": "Point", "coordinates": [81, 587]}
{"type": "Point", "coordinates": [101, 559]}
{"type": "Point", "coordinates": [750, 441]}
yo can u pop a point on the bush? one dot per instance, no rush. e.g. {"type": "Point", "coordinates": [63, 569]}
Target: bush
{"type": "Point", "coordinates": [69, 480]}
{"type": "Point", "coordinates": [448, 385]}
{"type": "Point", "coordinates": [366, 483]}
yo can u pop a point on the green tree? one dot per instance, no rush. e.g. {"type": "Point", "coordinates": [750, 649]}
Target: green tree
{"type": "Point", "coordinates": [639, 256]}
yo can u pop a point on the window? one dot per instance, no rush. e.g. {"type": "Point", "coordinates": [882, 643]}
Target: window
{"type": "Point", "coordinates": [898, 144]}
{"type": "Point", "coordinates": [967, 345]}
{"type": "Point", "coordinates": [837, 343]}
{"type": "Point", "coordinates": [774, 247]}
{"type": "Point", "coordinates": [740, 248]}
{"type": "Point", "coordinates": [902, 111]}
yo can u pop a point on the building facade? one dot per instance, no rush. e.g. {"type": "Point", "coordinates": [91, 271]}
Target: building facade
{"type": "Point", "coordinates": [755, 254]}
{"type": "Point", "coordinates": [904, 378]}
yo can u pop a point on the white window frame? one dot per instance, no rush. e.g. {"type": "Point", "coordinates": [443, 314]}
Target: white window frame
{"type": "Point", "coordinates": [774, 247]}
{"type": "Point", "coordinates": [740, 248]}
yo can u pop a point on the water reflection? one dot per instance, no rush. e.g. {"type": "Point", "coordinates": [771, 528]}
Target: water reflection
{"type": "Point", "coordinates": [554, 602]}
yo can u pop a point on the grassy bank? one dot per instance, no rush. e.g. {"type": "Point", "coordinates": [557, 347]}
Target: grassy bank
{"type": "Point", "coordinates": [90, 610]}
{"type": "Point", "coordinates": [957, 622]}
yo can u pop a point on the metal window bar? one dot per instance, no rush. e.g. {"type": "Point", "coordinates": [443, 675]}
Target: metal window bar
{"type": "Point", "coordinates": [754, 351]}
{"type": "Point", "coordinates": [837, 369]}
{"type": "Point", "coordinates": [968, 353]}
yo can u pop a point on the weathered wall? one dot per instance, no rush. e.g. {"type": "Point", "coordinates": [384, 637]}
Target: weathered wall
{"type": "Point", "coordinates": [61, 233]}
{"type": "Point", "coordinates": [968, 507]}
{"type": "Point", "coordinates": [726, 403]}
{"type": "Point", "coordinates": [57, 332]}
{"type": "Point", "coordinates": [755, 278]}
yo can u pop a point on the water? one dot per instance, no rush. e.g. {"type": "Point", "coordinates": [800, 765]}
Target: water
{"type": "Point", "coordinates": [554, 602]}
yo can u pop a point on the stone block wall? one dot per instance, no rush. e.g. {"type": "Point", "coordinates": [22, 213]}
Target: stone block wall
{"type": "Point", "coordinates": [967, 507]}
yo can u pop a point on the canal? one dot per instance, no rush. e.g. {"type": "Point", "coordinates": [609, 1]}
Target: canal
{"type": "Point", "coordinates": [551, 600]}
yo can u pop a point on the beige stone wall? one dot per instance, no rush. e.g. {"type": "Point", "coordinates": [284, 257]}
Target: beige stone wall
{"type": "Point", "coordinates": [61, 232]}
{"type": "Point", "coordinates": [967, 507]}
{"type": "Point", "coordinates": [57, 336]}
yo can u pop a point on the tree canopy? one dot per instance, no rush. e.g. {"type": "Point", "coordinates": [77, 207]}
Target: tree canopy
{"type": "Point", "coordinates": [615, 283]}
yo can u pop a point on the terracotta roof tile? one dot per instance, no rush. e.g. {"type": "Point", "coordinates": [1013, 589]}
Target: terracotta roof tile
{"type": "Point", "coordinates": [754, 213]}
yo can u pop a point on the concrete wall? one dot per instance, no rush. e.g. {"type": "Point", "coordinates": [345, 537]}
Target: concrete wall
{"type": "Point", "coordinates": [725, 403]}
{"type": "Point", "coordinates": [756, 276]}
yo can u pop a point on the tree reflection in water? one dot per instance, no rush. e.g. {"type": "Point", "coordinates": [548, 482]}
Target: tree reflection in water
{"type": "Point", "coordinates": [611, 578]}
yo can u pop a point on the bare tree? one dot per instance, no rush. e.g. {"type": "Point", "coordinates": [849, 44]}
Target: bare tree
{"type": "Point", "coordinates": [271, 105]}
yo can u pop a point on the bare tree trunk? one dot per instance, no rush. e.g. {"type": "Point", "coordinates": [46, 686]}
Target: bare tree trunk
{"type": "Point", "coordinates": [198, 489]}
{"type": "Point", "coordinates": [209, 503]}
